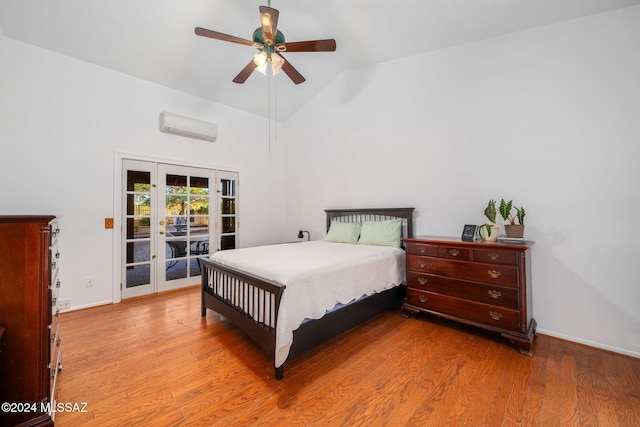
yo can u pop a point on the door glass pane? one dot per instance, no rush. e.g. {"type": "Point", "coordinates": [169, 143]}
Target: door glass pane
{"type": "Point", "coordinates": [138, 251]}
{"type": "Point", "coordinates": [199, 246]}
{"type": "Point", "coordinates": [176, 269]}
{"type": "Point", "coordinates": [138, 204]}
{"type": "Point", "coordinates": [199, 226]}
{"type": "Point", "coordinates": [176, 249]}
{"type": "Point", "coordinates": [138, 228]}
{"type": "Point", "coordinates": [138, 275]}
{"type": "Point", "coordinates": [139, 181]}
{"type": "Point", "coordinates": [228, 224]}
{"type": "Point", "coordinates": [176, 205]}
{"type": "Point", "coordinates": [227, 242]}
{"type": "Point", "coordinates": [199, 205]}
{"type": "Point", "coordinates": [176, 226]}
{"type": "Point", "coordinates": [227, 187]}
{"type": "Point", "coordinates": [199, 185]}
{"type": "Point", "coordinates": [227, 206]}
{"type": "Point", "coordinates": [195, 267]}
{"type": "Point", "coordinates": [176, 184]}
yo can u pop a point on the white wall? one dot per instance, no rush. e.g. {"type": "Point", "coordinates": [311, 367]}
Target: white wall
{"type": "Point", "coordinates": [547, 117]}
{"type": "Point", "coordinates": [63, 120]}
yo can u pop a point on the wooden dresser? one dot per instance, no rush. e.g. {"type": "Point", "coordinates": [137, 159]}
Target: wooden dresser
{"type": "Point", "coordinates": [484, 284]}
{"type": "Point", "coordinates": [29, 283]}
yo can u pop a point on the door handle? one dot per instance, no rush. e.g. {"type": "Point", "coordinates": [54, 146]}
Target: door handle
{"type": "Point", "coordinates": [161, 231]}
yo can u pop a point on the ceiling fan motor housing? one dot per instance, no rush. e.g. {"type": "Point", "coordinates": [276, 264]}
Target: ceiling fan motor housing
{"type": "Point", "coordinates": [258, 38]}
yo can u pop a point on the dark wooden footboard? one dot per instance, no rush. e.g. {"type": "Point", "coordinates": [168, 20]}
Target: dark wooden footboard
{"type": "Point", "coordinates": [252, 303]}
{"type": "Point", "coordinates": [249, 301]}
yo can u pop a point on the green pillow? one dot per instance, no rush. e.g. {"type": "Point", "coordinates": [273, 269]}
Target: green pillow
{"type": "Point", "coordinates": [381, 233]}
{"type": "Point", "coordinates": [343, 232]}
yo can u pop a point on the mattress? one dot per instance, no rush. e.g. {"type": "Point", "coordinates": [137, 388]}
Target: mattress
{"type": "Point", "coordinates": [317, 275]}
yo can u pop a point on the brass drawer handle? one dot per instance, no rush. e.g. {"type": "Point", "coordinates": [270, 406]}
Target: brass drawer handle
{"type": "Point", "coordinates": [495, 315]}
{"type": "Point", "coordinates": [454, 252]}
{"type": "Point", "coordinates": [493, 273]}
{"type": "Point", "coordinates": [423, 298]}
{"type": "Point", "coordinates": [422, 249]}
{"type": "Point", "coordinates": [422, 280]}
{"type": "Point", "coordinates": [58, 283]}
{"type": "Point", "coordinates": [494, 294]}
{"type": "Point", "coordinates": [494, 256]}
{"type": "Point", "coordinates": [422, 264]}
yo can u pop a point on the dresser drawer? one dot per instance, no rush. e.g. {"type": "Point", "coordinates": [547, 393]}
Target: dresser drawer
{"type": "Point", "coordinates": [422, 249]}
{"type": "Point", "coordinates": [453, 252]}
{"type": "Point", "coordinates": [479, 292]}
{"type": "Point", "coordinates": [495, 256]}
{"type": "Point", "coordinates": [487, 273]}
{"type": "Point", "coordinates": [495, 316]}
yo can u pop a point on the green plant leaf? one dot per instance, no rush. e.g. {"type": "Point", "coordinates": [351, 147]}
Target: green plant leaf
{"type": "Point", "coordinates": [520, 213]}
{"type": "Point", "coordinates": [490, 211]}
{"type": "Point", "coordinates": [505, 209]}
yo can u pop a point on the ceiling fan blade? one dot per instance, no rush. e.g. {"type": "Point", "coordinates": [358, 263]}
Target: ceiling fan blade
{"type": "Point", "coordinates": [327, 45]}
{"type": "Point", "coordinates": [221, 36]}
{"type": "Point", "coordinates": [269, 21]}
{"type": "Point", "coordinates": [290, 71]}
{"type": "Point", "coordinates": [245, 73]}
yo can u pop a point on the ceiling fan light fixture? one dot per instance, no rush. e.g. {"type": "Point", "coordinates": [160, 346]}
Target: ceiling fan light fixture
{"type": "Point", "coordinates": [270, 41]}
{"type": "Point", "coordinates": [261, 60]}
{"type": "Point", "coordinates": [277, 62]}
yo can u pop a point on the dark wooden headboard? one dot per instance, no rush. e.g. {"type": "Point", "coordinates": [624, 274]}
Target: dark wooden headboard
{"type": "Point", "coordinates": [373, 214]}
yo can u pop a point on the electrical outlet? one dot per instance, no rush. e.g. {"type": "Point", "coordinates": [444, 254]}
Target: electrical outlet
{"type": "Point", "coordinates": [64, 303]}
{"type": "Point", "coordinates": [88, 281]}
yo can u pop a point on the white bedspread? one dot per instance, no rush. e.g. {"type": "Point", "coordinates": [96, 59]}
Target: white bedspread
{"type": "Point", "coordinates": [318, 275]}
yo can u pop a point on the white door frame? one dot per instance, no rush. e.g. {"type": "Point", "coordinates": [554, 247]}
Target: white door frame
{"type": "Point", "coordinates": [117, 207]}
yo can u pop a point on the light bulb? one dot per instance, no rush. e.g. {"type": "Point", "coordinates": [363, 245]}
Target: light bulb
{"type": "Point", "coordinates": [276, 63]}
{"type": "Point", "coordinates": [260, 59]}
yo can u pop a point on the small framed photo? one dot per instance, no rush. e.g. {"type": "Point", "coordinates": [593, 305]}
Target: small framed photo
{"type": "Point", "coordinates": [469, 232]}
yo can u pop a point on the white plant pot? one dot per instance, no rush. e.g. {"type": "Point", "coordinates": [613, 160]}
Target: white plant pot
{"type": "Point", "coordinates": [492, 237]}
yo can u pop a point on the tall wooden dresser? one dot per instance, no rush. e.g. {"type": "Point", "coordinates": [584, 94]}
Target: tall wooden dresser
{"type": "Point", "coordinates": [478, 283]}
{"type": "Point", "coordinates": [29, 283]}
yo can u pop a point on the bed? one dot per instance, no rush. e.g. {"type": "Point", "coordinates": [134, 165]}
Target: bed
{"type": "Point", "coordinates": [253, 295]}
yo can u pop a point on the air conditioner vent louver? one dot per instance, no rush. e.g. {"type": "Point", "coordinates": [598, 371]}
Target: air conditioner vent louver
{"type": "Point", "coordinates": [187, 126]}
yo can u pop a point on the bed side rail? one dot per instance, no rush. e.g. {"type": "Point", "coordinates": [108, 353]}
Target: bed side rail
{"type": "Point", "coordinates": [251, 302]}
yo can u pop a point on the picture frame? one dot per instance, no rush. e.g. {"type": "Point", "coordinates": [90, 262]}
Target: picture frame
{"type": "Point", "coordinates": [469, 232]}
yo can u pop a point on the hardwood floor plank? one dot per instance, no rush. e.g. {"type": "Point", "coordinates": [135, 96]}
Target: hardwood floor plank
{"type": "Point", "coordinates": [536, 388]}
{"type": "Point", "coordinates": [156, 361]}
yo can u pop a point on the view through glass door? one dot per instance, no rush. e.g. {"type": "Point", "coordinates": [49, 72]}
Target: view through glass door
{"type": "Point", "coordinates": [173, 216]}
{"type": "Point", "coordinates": [184, 231]}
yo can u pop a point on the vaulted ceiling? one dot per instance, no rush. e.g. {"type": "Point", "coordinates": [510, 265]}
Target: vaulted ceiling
{"type": "Point", "coordinates": [154, 40]}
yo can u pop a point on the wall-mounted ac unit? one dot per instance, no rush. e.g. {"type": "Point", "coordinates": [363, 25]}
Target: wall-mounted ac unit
{"type": "Point", "coordinates": [187, 126]}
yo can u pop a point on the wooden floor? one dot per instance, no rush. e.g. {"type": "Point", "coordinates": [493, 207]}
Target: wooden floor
{"type": "Point", "coordinates": [156, 361]}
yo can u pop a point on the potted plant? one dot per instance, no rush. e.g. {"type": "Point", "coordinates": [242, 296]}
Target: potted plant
{"type": "Point", "coordinates": [489, 231]}
{"type": "Point", "coordinates": [512, 229]}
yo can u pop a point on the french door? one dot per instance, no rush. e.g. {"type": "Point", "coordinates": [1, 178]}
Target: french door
{"type": "Point", "coordinates": [173, 216]}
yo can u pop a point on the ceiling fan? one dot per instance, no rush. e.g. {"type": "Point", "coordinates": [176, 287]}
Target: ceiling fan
{"type": "Point", "coordinates": [270, 43]}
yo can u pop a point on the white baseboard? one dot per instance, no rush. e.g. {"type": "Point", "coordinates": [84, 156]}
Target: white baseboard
{"type": "Point", "coordinates": [81, 307]}
{"type": "Point", "coordinates": [589, 343]}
